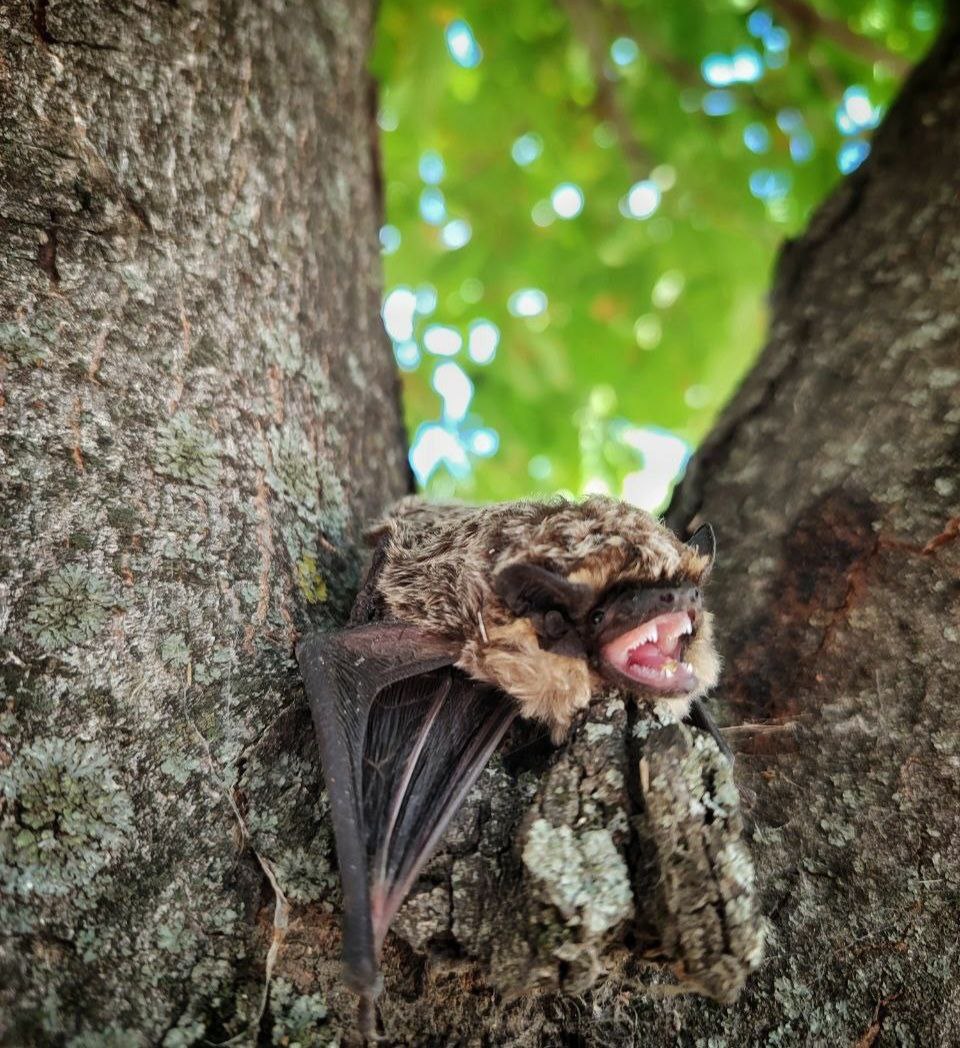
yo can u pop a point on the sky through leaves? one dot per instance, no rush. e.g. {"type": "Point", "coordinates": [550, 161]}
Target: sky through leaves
{"type": "Point", "coordinates": [584, 202]}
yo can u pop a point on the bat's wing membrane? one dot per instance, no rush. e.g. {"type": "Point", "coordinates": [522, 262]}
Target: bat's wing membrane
{"type": "Point", "coordinates": [402, 736]}
{"type": "Point", "coordinates": [428, 739]}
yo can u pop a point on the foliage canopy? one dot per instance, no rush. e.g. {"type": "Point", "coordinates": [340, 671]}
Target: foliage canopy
{"type": "Point", "coordinates": [584, 201]}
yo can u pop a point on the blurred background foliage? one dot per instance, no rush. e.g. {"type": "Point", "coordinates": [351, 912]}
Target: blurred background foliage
{"type": "Point", "coordinates": [584, 201]}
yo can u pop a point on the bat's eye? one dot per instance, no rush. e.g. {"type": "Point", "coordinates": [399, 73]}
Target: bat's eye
{"type": "Point", "coordinates": [596, 617]}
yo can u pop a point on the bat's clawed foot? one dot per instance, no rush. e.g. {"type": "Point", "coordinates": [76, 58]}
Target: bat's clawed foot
{"type": "Point", "coordinates": [700, 717]}
{"type": "Point", "coordinates": [367, 1020]}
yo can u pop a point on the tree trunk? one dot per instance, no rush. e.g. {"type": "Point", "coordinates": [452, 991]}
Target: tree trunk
{"type": "Point", "coordinates": [187, 464]}
{"type": "Point", "coordinates": [200, 408]}
{"type": "Point", "coordinates": [832, 480]}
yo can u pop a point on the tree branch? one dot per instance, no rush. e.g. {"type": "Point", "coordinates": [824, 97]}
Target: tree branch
{"type": "Point", "coordinates": [609, 105]}
{"type": "Point", "coordinates": [806, 18]}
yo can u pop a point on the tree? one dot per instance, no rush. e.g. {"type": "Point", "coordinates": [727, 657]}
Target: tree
{"type": "Point", "coordinates": [172, 346]}
{"type": "Point", "coordinates": [200, 407]}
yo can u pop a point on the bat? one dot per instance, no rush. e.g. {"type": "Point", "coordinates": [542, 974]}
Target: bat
{"type": "Point", "coordinates": [468, 618]}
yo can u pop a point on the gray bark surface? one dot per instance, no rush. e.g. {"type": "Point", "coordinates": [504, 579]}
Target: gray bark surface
{"type": "Point", "coordinates": [191, 365]}
{"type": "Point", "coordinates": [199, 407]}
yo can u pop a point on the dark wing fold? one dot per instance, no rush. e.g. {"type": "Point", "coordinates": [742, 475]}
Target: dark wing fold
{"type": "Point", "coordinates": [402, 737]}
{"type": "Point", "coordinates": [428, 739]}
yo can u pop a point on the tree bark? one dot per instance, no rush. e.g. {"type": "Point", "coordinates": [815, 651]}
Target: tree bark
{"type": "Point", "coordinates": [832, 480]}
{"type": "Point", "coordinates": [192, 366]}
{"type": "Point", "coordinates": [199, 407]}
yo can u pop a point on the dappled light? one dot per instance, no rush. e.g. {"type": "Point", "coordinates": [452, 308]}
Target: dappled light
{"type": "Point", "coordinates": [583, 205]}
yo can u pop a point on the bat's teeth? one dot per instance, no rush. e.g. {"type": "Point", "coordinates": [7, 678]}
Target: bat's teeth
{"type": "Point", "coordinates": [646, 636]}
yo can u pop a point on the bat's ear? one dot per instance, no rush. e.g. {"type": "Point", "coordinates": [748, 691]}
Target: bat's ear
{"type": "Point", "coordinates": [704, 542]}
{"type": "Point", "coordinates": [526, 588]}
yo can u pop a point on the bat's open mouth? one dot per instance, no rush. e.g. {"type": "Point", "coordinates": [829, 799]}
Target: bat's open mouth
{"type": "Point", "coordinates": [652, 654]}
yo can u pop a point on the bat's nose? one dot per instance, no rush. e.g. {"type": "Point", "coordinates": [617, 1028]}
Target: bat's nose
{"type": "Point", "coordinates": [661, 600]}
{"type": "Point", "coordinates": [680, 598]}
{"type": "Point", "coordinates": [630, 609]}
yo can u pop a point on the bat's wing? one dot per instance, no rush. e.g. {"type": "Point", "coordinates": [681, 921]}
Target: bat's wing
{"type": "Point", "coordinates": [402, 736]}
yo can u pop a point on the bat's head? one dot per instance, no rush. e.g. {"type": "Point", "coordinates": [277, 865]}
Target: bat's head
{"type": "Point", "coordinates": [632, 609]}
{"type": "Point", "coordinates": [656, 637]}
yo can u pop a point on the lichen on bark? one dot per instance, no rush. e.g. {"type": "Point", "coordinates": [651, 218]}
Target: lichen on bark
{"type": "Point", "coordinates": [189, 287]}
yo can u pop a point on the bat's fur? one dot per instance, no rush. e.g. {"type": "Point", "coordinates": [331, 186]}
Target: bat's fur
{"type": "Point", "coordinates": [437, 563]}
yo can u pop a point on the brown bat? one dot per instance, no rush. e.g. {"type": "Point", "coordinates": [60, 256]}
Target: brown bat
{"type": "Point", "coordinates": [470, 616]}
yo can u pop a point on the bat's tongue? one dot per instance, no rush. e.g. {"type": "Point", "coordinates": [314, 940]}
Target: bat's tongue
{"type": "Point", "coordinates": [649, 654]}
{"type": "Point", "coordinates": [652, 655]}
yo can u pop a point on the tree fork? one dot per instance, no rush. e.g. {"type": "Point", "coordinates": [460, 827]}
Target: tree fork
{"type": "Point", "coordinates": [200, 184]}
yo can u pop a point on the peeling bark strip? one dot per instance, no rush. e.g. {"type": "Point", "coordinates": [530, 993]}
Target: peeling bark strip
{"type": "Point", "coordinates": [188, 288]}
{"type": "Point", "coordinates": [700, 894]}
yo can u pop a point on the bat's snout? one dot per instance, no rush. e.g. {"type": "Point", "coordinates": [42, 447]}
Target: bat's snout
{"type": "Point", "coordinates": [639, 605]}
{"type": "Point", "coordinates": [644, 636]}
